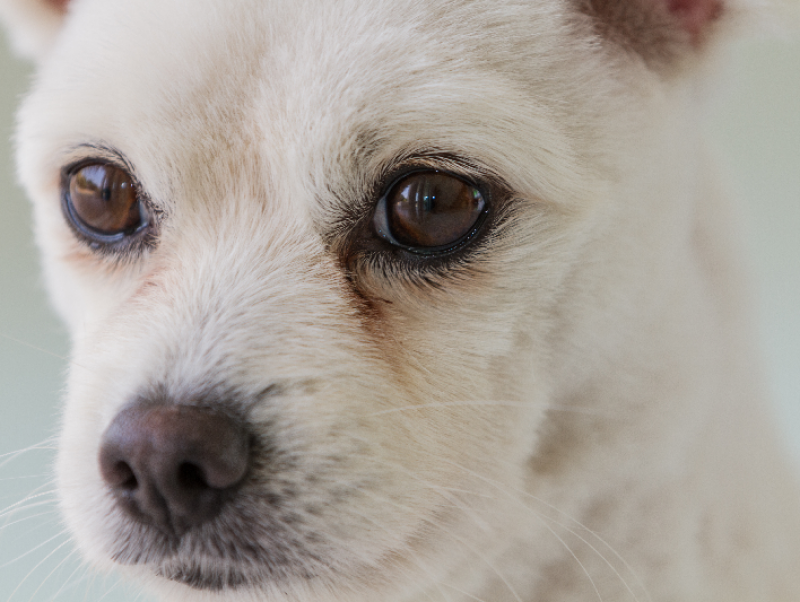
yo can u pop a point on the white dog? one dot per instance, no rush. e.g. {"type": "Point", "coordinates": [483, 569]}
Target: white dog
{"type": "Point", "coordinates": [400, 300]}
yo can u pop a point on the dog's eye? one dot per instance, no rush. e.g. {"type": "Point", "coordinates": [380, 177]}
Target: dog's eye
{"type": "Point", "coordinates": [429, 212]}
{"type": "Point", "coordinates": [102, 202]}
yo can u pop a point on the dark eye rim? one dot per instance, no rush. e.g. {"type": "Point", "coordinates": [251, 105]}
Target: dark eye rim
{"type": "Point", "coordinates": [142, 234]}
{"type": "Point", "coordinates": [379, 214]}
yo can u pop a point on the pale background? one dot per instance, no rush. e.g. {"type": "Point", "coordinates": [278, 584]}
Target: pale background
{"type": "Point", "coordinates": [757, 130]}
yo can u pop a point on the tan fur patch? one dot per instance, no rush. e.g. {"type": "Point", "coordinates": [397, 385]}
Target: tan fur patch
{"type": "Point", "coordinates": [651, 29]}
{"type": "Point", "coordinates": [59, 4]}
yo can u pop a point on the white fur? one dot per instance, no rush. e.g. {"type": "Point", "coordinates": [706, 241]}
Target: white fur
{"type": "Point", "coordinates": [572, 416]}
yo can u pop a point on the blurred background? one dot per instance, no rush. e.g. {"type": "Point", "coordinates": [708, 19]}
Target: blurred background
{"type": "Point", "coordinates": [756, 127]}
{"type": "Point", "coordinates": [37, 561]}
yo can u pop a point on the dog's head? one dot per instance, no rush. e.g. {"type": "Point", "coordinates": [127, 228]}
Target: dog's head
{"type": "Point", "coordinates": [334, 271]}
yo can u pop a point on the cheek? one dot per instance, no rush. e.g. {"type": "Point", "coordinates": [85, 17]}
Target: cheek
{"type": "Point", "coordinates": [458, 336]}
{"type": "Point", "coordinates": [83, 287]}
{"type": "Point", "coordinates": [476, 362]}
{"type": "Point", "coordinates": [470, 357]}
{"type": "Point", "coordinates": [86, 293]}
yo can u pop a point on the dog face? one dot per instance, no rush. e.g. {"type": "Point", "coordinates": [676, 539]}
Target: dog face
{"type": "Point", "coordinates": [364, 253]}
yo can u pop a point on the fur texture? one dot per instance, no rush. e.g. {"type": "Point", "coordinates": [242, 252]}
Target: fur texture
{"type": "Point", "coordinates": [564, 410]}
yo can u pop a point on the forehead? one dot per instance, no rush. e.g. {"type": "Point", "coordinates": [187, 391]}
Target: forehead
{"type": "Point", "coordinates": [195, 94]}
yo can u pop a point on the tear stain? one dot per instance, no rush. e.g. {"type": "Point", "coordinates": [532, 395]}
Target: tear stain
{"type": "Point", "coordinates": [369, 309]}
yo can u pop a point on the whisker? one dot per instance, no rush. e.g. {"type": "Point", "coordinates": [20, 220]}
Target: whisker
{"type": "Point", "coordinates": [479, 402]}
{"type": "Point", "coordinates": [34, 347]}
{"type": "Point", "coordinates": [46, 444]}
{"type": "Point", "coordinates": [32, 550]}
{"type": "Point", "coordinates": [30, 517]}
{"type": "Point", "coordinates": [375, 495]}
{"type": "Point", "coordinates": [40, 563]}
{"type": "Point", "coordinates": [475, 552]}
{"type": "Point", "coordinates": [21, 505]}
{"type": "Point", "coordinates": [83, 576]}
{"type": "Point", "coordinates": [463, 593]}
{"type": "Point", "coordinates": [502, 488]}
{"type": "Point", "coordinates": [50, 574]}
{"type": "Point", "coordinates": [597, 552]}
{"type": "Point", "coordinates": [568, 549]}
{"type": "Point", "coordinates": [419, 564]}
{"type": "Point", "coordinates": [603, 542]}
{"type": "Point", "coordinates": [27, 477]}
{"type": "Point", "coordinates": [593, 533]}
{"type": "Point", "coordinates": [488, 563]}
{"type": "Point", "coordinates": [114, 586]}
{"type": "Point", "coordinates": [71, 581]}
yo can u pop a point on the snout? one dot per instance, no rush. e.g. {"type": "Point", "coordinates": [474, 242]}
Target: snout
{"type": "Point", "coordinates": [174, 467]}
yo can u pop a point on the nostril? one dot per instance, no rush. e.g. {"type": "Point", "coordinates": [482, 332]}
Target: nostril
{"type": "Point", "coordinates": [191, 477]}
{"type": "Point", "coordinates": [117, 473]}
{"type": "Point", "coordinates": [126, 478]}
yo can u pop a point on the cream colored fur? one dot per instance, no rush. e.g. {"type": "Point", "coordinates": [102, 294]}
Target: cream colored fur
{"type": "Point", "coordinates": [573, 415]}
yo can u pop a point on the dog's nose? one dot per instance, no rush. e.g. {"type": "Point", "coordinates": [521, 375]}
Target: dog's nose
{"type": "Point", "coordinates": [173, 466]}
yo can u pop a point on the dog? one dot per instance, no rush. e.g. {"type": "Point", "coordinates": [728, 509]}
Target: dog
{"type": "Point", "coordinates": [401, 301]}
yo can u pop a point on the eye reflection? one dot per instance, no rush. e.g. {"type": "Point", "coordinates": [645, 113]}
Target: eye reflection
{"type": "Point", "coordinates": [103, 199]}
{"type": "Point", "coordinates": [429, 210]}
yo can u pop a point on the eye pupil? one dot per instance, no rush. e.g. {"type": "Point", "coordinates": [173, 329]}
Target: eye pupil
{"type": "Point", "coordinates": [102, 201]}
{"type": "Point", "coordinates": [427, 211]}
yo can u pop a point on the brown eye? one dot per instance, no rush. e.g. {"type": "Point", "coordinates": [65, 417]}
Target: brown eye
{"type": "Point", "coordinates": [102, 202]}
{"type": "Point", "coordinates": [429, 212]}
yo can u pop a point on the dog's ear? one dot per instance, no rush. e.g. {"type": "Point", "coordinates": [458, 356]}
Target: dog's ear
{"type": "Point", "coordinates": [33, 24]}
{"type": "Point", "coordinates": [660, 31]}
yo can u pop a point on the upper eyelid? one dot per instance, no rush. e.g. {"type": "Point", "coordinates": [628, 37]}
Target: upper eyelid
{"type": "Point", "coordinates": [452, 163]}
{"type": "Point", "coordinates": [354, 208]}
{"type": "Point", "coordinates": [102, 153]}
{"type": "Point", "coordinates": [88, 153]}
